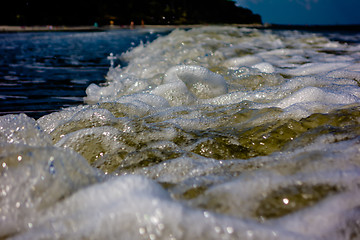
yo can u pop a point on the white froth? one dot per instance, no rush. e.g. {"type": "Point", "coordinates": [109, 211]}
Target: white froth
{"type": "Point", "coordinates": [212, 128]}
{"type": "Point", "coordinates": [181, 74]}
{"type": "Point", "coordinates": [20, 129]}
{"type": "Point", "coordinates": [237, 62]}
{"type": "Point", "coordinates": [199, 80]}
{"type": "Point", "coordinates": [264, 67]}
{"type": "Point", "coordinates": [183, 85]}
{"type": "Point", "coordinates": [175, 93]}
{"type": "Point", "coordinates": [154, 101]}
{"type": "Point", "coordinates": [316, 68]}
{"type": "Point", "coordinates": [133, 207]}
{"type": "Point", "coordinates": [35, 178]}
{"type": "Point", "coordinates": [314, 94]}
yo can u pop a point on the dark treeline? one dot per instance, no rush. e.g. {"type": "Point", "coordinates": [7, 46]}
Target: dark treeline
{"type": "Point", "coordinates": [83, 12]}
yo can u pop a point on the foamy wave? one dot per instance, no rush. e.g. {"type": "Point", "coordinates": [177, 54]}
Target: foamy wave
{"type": "Point", "coordinates": [210, 133]}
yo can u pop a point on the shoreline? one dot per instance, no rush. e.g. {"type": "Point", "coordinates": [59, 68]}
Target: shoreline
{"type": "Point", "coordinates": [51, 28]}
{"type": "Point", "coordinates": [47, 28]}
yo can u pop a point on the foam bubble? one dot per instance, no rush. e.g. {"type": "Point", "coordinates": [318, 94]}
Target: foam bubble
{"type": "Point", "coordinates": [157, 216]}
{"type": "Point", "coordinates": [35, 178]}
{"type": "Point", "coordinates": [313, 94]}
{"type": "Point", "coordinates": [199, 80]}
{"type": "Point", "coordinates": [247, 61]}
{"type": "Point", "coordinates": [20, 129]}
{"type": "Point", "coordinates": [176, 93]}
{"type": "Point", "coordinates": [264, 67]}
{"type": "Point", "coordinates": [315, 68]}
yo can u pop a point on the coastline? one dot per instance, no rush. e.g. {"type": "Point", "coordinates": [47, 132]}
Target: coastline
{"type": "Point", "coordinates": [51, 28]}
{"type": "Point", "coordinates": [47, 28]}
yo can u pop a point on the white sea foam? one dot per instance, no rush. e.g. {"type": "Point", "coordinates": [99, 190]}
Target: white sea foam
{"type": "Point", "coordinates": [207, 133]}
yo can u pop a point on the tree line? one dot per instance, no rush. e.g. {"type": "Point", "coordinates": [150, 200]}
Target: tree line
{"type": "Point", "coordinates": [83, 12]}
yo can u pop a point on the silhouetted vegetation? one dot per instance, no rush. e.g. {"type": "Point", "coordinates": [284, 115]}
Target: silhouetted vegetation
{"type": "Point", "coordinates": [81, 12]}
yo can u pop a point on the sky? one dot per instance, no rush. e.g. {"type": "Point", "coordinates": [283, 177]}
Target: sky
{"type": "Point", "coordinates": [305, 12]}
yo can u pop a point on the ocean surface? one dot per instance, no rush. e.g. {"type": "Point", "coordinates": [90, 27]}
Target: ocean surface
{"type": "Point", "coordinates": [207, 133]}
{"type": "Point", "coordinates": [41, 72]}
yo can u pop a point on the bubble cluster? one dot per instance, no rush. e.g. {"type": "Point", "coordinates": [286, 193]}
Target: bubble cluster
{"type": "Point", "coordinates": [207, 133]}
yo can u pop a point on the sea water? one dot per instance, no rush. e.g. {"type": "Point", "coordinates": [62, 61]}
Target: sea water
{"type": "Point", "coordinates": [41, 72]}
{"type": "Point", "coordinates": [207, 133]}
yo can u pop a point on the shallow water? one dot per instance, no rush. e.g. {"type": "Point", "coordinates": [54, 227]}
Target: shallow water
{"type": "Point", "coordinates": [210, 133]}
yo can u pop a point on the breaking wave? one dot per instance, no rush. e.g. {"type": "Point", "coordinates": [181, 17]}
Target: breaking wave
{"type": "Point", "coordinates": [210, 133]}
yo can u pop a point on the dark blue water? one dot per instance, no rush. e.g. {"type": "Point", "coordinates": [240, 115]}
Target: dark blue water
{"type": "Point", "coordinates": [42, 72]}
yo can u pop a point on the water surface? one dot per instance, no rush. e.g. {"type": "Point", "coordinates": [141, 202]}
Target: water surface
{"type": "Point", "coordinates": [208, 133]}
{"type": "Point", "coordinates": [41, 72]}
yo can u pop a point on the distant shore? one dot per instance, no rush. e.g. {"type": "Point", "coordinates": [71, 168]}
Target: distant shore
{"type": "Point", "coordinates": [47, 28]}
{"type": "Point", "coordinates": [51, 28]}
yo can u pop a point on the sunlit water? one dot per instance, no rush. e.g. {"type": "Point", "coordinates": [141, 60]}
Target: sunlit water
{"type": "Point", "coordinates": [210, 133]}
